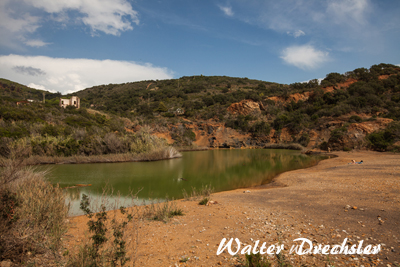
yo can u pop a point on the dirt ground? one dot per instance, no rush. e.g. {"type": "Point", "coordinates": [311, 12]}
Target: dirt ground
{"type": "Point", "coordinates": [325, 204]}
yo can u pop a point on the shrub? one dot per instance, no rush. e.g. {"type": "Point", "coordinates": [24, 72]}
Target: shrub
{"type": "Point", "coordinates": [113, 143]}
{"type": "Point", "coordinates": [280, 122]}
{"type": "Point", "coordinates": [169, 114]}
{"type": "Point", "coordinates": [189, 134]}
{"type": "Point", "coordinates": [107, 244]}
{"type": "Point", "coordinates": [324, 146]}
{"type": "Point", "coordinates": [32, 212]}
{"type": "Point", "coordinates": [382, 140]}
{"type": "Point", "coordinates": [333, 79]}
{"type": "Point", "coordinates": [355, 118]}
{"type": "Point", "coordinates": [162, 107]}
{"type": "Point", "coordinates": [162, 211]}
{"type": "Point", "coordinates": [256, 260]}
{"type": "Point", "coordinates": [304, 139]}
{"type": "Point", "coordinates": [204, 201]}
{"type": "Point", "coordinates": [338, 134]}
{"type": "Point", "coordinates": [261, 128]}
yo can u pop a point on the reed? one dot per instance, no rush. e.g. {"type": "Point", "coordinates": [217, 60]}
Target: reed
{"type": "Point", "coordinates": [293, 146]}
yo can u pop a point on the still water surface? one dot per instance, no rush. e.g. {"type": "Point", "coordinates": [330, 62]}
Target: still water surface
{"type": "Point", "coordinates": [222, 169]}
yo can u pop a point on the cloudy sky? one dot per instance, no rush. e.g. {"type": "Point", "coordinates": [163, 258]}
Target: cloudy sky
{"type": "Point", "coordinates": [74, 44]}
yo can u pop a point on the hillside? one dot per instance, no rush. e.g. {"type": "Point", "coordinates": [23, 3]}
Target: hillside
{"type": "Point", "coordinates": [17, 92]}
{"type": "Point", "coordinates": [358, 109]}
{"type": "Point", "coordinates": [338, 113]}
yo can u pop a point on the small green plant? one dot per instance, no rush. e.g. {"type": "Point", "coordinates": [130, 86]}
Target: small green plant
{"type": "Point", "coordinates": [176, 212]}
{"type": "Point", "coordinates": [184, 259]}
{"type": "Point", "coordinates": [162, 211]}
{"type": "Point", "coordinates": [256, 260]}
{"type": "Point", "coordinates": [281, 260]}
{"type": "Point", "coordinates": [97, 253]}
{"type": "Point", "coordinates": [204, 201]}
{"type": "Point", "coordinates": [329, 262]}
{"type": "Point", "coordinates": [205, 192]}
{"type": "Point", "coordinates": [97, 227]}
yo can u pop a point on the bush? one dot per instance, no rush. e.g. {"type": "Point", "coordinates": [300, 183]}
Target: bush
{"type": "Point", "coordinates": [169, 114]}
{"type": "Point", "coordinates": [355, 118]}
{"type": "Point", "coordinates": [337, 135]}
{"type": "Point", "coordinates": [256, 260]}
{"type": "Point", "coordinates": [190, 135]}
{"type": "Point", "coordinates": [261, 128]}
{"type": "Point", "coordinates": [162, 211]}
{"type": "Point", "coordinates": [304, 139]}
{"type": "Point", "coordinates": [204, 201]}
{"type": "Point", "coordinates": [32, 212]}
{"type": "Point", "coordinates": [383, 140]}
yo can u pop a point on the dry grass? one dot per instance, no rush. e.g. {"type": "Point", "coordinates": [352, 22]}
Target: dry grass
{"type": "Point", "coordinates": [158, 154]}
{"type": "Point", "coordinates": [293, 146]}
{"type": "Point", "coordinates": [204, 192]}
{"type": "Point", "coordinates": [161, 211]}
{"type": "Point", "coordinates": [33, 212]}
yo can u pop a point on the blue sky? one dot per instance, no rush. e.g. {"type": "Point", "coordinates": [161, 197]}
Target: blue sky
{"type": "Point", "coordinates": [71, 45]}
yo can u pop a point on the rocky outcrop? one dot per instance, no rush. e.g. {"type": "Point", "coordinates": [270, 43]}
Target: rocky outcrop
{"type": "Point", "coordinates": [216, 135]}
{"type": "Point", "coordinates": [245, 107]}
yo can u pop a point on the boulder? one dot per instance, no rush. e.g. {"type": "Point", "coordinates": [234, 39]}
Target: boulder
{"type": "Point", "coordinates": [245, 107]}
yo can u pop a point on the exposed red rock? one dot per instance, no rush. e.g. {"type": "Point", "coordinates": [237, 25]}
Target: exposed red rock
{"type": "Point", "coordinates": [245, 107]}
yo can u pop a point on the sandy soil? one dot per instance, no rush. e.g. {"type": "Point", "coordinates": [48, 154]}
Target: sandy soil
{"type": "Point", "coordinates": [325, 204]}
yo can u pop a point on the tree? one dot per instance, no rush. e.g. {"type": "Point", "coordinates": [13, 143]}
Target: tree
{"type": "Point", "coordinates": [162, 107]}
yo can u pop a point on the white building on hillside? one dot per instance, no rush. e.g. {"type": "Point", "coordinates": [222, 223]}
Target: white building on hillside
{"type": "Point", "coordinates": [73, 101]}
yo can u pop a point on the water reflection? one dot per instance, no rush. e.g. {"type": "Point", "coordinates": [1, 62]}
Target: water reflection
{"type": "Point", "coordinates": [223, 169]}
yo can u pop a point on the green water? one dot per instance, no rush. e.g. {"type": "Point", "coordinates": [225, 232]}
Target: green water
{"type": "Point", "coordinates": [223, 169]}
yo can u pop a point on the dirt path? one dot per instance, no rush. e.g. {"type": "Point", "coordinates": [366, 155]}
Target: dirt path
{"type": "Point", "coordinates": [324, 204]}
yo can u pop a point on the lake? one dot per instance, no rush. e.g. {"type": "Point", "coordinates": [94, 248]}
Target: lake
{"type": "Point", "coordinates": [222, 169]}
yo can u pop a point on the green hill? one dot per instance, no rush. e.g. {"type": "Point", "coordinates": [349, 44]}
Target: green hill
{"type": "Point", "coordinates": [364, 103]}
{"type": "Point", "coordinates": [16, 92]}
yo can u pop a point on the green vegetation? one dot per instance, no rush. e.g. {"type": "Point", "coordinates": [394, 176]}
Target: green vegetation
{"type": "Point", "coordinates": [162, 211]}
{"type": "Point", "coordinates": [165, 105]}
{"type": "Point", "coordinates": [101, 251]}
{"type": "Point", "coordinates": [257, 260]}
{"type": "Point", "coordinates": [48, 130]}
{"type": "Point", "coordinates": [204, 201]}
{"type": "Point", "coordinates": [385, 140]}
{"type": "Point", "coordinates": [204, 193]}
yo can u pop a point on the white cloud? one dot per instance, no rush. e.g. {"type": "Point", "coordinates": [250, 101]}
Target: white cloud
{"type": "Point", "coordinates": [18, 25]}
{"type": "Point", "coordinates": [70, 75]}
{"type": "Point", "coordinates": [348, 11]}
{"type": "Point", "coordinates": [36, 43]}
{"type": "Point", "coordinates": [108, 16]}
{"type": "Point", "coordinates": [227, 10]}
{"type": "Point", "coordinates": [14, 29]}
{"type": "Point", "coordinates": [304, 57]}
{"type": "Point", "coordinates": [296, 34]}
{"type": "Point", "coordinates": [38, 86]}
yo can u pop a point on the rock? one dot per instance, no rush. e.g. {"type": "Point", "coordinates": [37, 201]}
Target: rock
{"type": "Point", "coordinates": [244, 107]}
{"type": "Point", "coordinates": [6, 263]}
{"type": "Point", "coordinates": [354, 207]}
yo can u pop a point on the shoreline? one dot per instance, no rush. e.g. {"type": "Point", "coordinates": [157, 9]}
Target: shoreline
{"type": "Point", "coordinates": [128, 157]}
{"type": "Point", "coordinates": [326, 203]}
{"type": "Point", "coordinates": [104, 158]}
